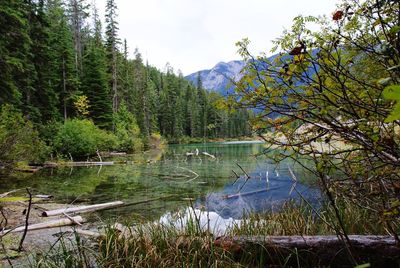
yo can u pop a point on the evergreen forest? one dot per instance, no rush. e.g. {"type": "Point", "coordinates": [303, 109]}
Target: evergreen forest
{"type": "Point", "coordinates": [70, 86]}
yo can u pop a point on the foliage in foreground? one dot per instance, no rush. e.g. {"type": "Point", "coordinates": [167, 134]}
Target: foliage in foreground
{"type": "Point", "coordinates": [322, 97]}
{"type": "Point", "coordinates": [18, 139]}
{"type": "Point", "coordinates": [156, 245]}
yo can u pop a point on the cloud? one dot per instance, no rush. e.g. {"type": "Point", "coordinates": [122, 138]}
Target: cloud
{"type": "Point", "coordinates": [196, 34]}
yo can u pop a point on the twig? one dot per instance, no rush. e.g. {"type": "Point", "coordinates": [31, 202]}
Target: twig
{"type": "Point", "coordinates": [244, 171]}
{"type": "Point", "coordinates": [98, 154]}
{"type": "Point", "coordinates": [241, 187]}
{"type": "Point", "coordinates": [26, 221]}
{"type": "Point", "coordinates": [237, 177]}
{"type": "Point", "coordinates": [191, 171]}
{"type": "Point", "coordinates": [72, 219]}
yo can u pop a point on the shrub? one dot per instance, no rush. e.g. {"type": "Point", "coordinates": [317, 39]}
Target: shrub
{"type": "Point", "coordinates": [82, 138]}
{"type": "Point", "coordinates": [127, 131]}
{"type": "Point", "coordinates": [19, 141]}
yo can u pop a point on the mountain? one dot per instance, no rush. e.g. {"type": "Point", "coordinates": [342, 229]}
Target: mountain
{"type": "Point", "coordinates": [218, 78]}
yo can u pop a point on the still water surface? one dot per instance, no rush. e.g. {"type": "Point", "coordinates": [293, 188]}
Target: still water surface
{"type": "Point", "coordinates": [175, 181]}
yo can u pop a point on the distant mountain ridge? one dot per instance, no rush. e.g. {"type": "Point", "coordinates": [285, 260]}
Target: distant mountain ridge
{"type": "Point", "coordinates": [219, 77]}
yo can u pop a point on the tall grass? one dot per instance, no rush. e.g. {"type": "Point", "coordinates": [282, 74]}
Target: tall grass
{"type": "Point", "coordinates": [160, 245]}
{"type": "Point", "coordinates": [295, 219]}
{"type": "Point", "coordinates": [68, 252]}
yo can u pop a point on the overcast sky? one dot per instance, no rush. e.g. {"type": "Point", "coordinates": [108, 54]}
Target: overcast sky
{"type": "Point", "coordinates": [193, 35]}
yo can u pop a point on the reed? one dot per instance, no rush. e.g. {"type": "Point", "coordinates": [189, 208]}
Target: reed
{"type": "Point", "coordinates": [160, 245]}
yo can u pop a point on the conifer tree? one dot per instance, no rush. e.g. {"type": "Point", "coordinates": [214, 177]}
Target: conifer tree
{"type": "Point", "coordinates": [14, 48]}
{"type": "Point", "coordinates": [62, 65]}
{"type": "Point", "coordinates": [112, 42]}
{"type": "Point", "coordinates": [95, 81]}
{"type": "Point", "coordinates": [44, 102]}
{"type": "Point", "coordinates": [78, 13]}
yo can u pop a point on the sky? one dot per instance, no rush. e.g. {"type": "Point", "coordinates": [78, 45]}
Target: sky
{"type": "Point", "coordinates": [193, 35]}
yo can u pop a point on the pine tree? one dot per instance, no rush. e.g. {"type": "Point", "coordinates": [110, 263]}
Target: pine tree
{"type": "Point", "coordinates": [62, 65]}
{"type": "Point", "coordinates": [112, 42]}
{"type": "Point", "coordinates": [14, 48]}
{"type": "Point", "coordinates": [44, 102]}
{"type": "Point", "coordinates": [95, 80]}
{"type": "Point", "coordinates": [78, 13]}
{"type": "Point", "coordinates": [192, 111]}
{"type": "Point", "coordinates": [203, 102]}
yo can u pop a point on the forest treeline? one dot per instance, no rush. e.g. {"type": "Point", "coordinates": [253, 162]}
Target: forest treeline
{"type": "Point", "coordinates": [63, 78]}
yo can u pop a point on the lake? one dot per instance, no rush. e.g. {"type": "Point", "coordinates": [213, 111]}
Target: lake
{"type": "Point", "coordinates": [175, 178]}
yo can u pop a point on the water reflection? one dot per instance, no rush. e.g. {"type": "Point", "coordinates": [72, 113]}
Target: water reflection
{"type": "Point", "coordinates": [205, 220]}
{"type": "Point", "coordinates": [173, 177]}
{"type": "Point", "coordinates": [219, 211]}
{"type": "Point", "coordinates": [257, 195]}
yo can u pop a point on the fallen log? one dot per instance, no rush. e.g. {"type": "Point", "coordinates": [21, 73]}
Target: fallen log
{"type": "Point", "coordinates": [48, 224]}
{"type": "Point", "coordinates": [379, 251]}
{"type": "Point", "coordinates": [84, 164]}
{"type": "Point", "coordinates": [44, 196]}
{"type": "Point", "coordinates": [248, 193]}
{"type": "Point", "coordinates": [209, 155]}
{"type": "Point", "coordinates": [86, 233]}
{"type": "Point", "coordinates": [82, 209]}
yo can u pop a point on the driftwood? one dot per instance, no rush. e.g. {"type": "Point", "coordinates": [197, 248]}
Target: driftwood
{"type": "Point", "coordinates": [78, 164]}
{"type": "Point", "coordinates": [379, 251]}
{"type": "Point", "coordinates": [84, 164]}
{"type": "Point", "coordinates": [86, 233]}
{"type": "Point", "coordinates": [72, 219]}
{"type": "Point", "coordinates": [82, 209]}
{"type": "Point", "coordinates": [196, 153]}
{"type": "Point", "coordinates": [209, 155]}
{"type": "Point", "coordinates": [48, 224]}
{"type": "Point", "coordinates": [44, 196]}
{"type": "Point", "coordinates": [247, 193]}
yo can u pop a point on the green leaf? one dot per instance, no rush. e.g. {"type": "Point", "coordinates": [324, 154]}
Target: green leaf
{"type": "Point", "coordinates": [393, 93]}
{"type": "Point", "coordinates": [395, 29]}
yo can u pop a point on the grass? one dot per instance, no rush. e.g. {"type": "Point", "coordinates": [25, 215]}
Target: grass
{"type": "Point", "coordinates": [157, 245]}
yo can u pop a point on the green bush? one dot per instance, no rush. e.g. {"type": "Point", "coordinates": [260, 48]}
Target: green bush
{"type": "Point", "coordinates": [19, 141]}
{"type": "Point", "coordinates": [127, 131]}
{"type": "Point", "coordinates": [80, 138]}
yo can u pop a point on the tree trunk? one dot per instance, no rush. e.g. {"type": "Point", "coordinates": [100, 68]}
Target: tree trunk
{"type": "Point", "coordinates": [49, 224]}
{"type": "Point", "coordinates": [82, 209]}
{"type": "Point", "coordinates": [379, 251]}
